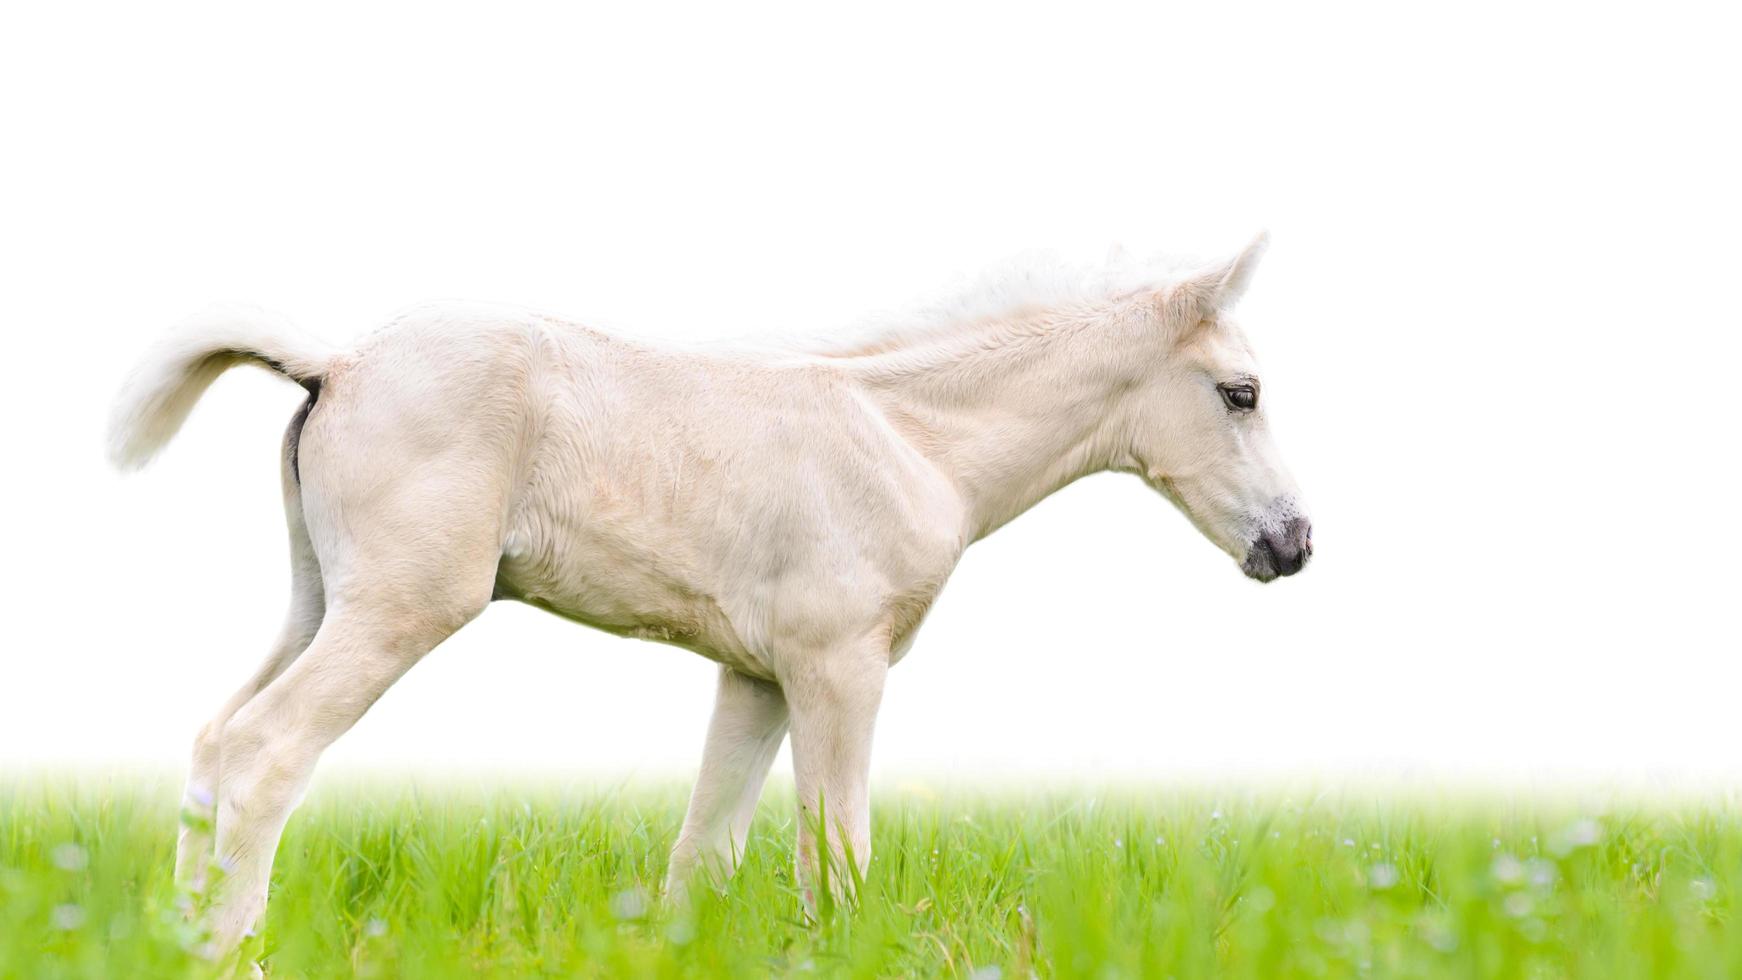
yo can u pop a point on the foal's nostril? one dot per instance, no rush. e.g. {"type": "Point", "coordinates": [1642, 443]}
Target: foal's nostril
{"type": "Point", "coordinates": [1292, 546]}
{"type": "Point", "coordinates": [1280, 550]}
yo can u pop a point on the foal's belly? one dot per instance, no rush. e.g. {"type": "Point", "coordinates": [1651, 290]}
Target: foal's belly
{"type": "Point", "coordinates": [630, 595]}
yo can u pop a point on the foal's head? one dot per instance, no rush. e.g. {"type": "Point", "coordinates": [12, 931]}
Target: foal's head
{"type": "Point", "coordinates": [1199, 431]}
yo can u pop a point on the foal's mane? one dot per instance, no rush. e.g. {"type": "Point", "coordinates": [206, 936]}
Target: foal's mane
{"type": "Point", "coordinates": [1010, 299]}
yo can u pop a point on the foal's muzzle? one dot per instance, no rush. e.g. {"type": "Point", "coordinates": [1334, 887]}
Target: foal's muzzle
{"type": "Point", "coordinates": [1279, 551]}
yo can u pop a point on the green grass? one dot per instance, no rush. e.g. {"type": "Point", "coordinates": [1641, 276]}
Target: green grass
{"type": "Point", "coordinates": [514, 881]}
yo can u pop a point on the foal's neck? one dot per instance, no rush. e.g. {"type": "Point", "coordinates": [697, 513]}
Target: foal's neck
{"type": "Point", "coordinates": [1019, 408]}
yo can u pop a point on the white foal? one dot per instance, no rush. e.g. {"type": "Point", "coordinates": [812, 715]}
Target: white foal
{"type": "Point", "coordinates": [791, 516]}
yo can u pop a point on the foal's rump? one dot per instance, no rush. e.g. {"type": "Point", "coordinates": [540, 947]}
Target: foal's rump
{"type": "Point", "coordinates": [412, 457]}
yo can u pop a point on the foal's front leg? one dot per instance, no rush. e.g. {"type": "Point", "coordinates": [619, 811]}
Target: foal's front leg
{"type": "Point", "coordinates": [834, 695]}
{"type": "Point", "coordinates": [744, 736]}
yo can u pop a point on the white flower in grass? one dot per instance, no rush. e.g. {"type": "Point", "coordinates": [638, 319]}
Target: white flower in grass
{"type": "Point", "coordinates": [1583, 832]}
{"type": "Point", "coordinates": [1541, 873]}
{"type": "Point", "coordinates": [1519, 904]}
{"type": "Point", "coordinates": [1260, 899]}
{"type": "Point", "coordinates": [1703, 889]}
{"type": "Point", "coordinates": [992, 972]}
{"type": "Point", "coordinates": [375, 927]}
{"type": "Point", "coordinates": [1508, 870]}
{"type": "Point", "coordinates": [67, 917]}
{"type": "Point", "coordinates": [1348, 842]}
{"type": "Point", "coordinates": [1381, 876]}
{"type": "Point", "coordinates": [1438, 934]}
{"type": "Point", "coordinates": [70, 857]}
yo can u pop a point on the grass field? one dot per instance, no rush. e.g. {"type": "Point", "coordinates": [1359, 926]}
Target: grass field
{"type": "Point", "coordinates": [396, 881]}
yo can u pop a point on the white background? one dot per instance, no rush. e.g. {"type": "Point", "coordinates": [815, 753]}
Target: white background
{"type": "Point", "coordinates": [1498, 325]}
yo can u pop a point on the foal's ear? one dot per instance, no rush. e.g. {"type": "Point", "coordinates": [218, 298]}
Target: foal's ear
{"type": "Point", "coordinates": [1236, 273]}
{"type": "Point", "coordinates": [1220, 286]}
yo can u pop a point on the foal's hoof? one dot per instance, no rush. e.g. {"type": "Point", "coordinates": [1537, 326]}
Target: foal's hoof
{"type": "Point", "coordinates": [235, 959]}
{"type": "Point", "coordinates": [245, 966]}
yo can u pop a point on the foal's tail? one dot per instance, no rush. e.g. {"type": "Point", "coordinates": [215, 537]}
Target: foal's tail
{"type": "Point", "coordinates": [160, 393]}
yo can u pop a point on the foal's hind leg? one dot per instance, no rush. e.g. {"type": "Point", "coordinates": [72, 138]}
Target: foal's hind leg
{"type": "Point", "coordinates": [193, 853]}
{"type": "Point", "coordinates": [369, 638]}
{"type": "Point", "coordinates": [749, 723]}
{"type": "Point", "coordinates": [408, 553]}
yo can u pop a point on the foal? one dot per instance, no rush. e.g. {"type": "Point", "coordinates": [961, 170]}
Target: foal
{"type": "Point", "coordinates": [789, 516]}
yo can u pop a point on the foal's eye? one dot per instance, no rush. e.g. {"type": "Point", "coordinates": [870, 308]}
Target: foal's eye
{"type": "Point", "coordinates": [1240, 398]}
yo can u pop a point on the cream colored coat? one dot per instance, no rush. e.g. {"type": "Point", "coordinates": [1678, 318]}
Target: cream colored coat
{"type": "Point", "coordinates": [789, 515]}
